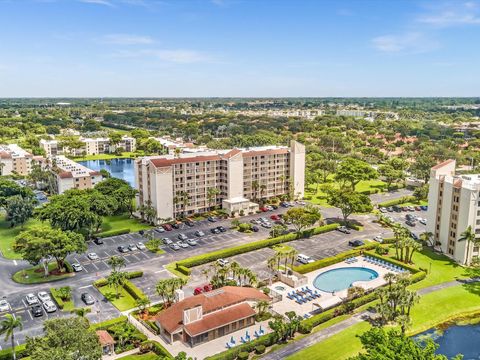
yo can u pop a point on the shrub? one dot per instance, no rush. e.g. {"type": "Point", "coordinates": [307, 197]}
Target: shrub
{"type": "Point", "coordinates": [241, 249]}
{"type": "Point", "coordinates": [355, 227]}
{"type": "Point", "coordinates": [244, 227]}
{"type": "Point", "coordinates": [243, 355]}
{"type": "Point", "coordinates": [134, 291]}
{"type": "Point", "coordinates": [401, 200]}
{"type": "Point", "coordinates": [157, 348]}
{"type": "Point", "coordinates": [20, 351]}
{"type": "Point", "coordinates": [184, 270]}
{"type": "Point", "coordinates": [105, 325]}
{"type": "Point", "coordinates": [100, 283]}
{"type": "Point", "coordinates": [231, 354]}
{"type": "Point", "coordinates": [259, 349]}
{"type": "Point", "coordinates": [68, 267]}
{"type": "Point", "coordinates": [59, 296]}
{"type": "Point", "coordinates": [113, 233]}
{"type": "Point", "coordinates": [134, 274]}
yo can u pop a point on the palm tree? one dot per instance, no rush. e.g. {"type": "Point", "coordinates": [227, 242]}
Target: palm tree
{"type": "Point", "coordinates": [212, 196]}
{"type": "Point", "coordinates": [255, 186]}
{"type": "Point", "coordinates": [263, 188]}
{"type": "Point", "coordinates": [469, 236]}
{"type": "Point", "coordinates": [116, 279]}
{"type": "Point", "coordinates": [116, 262]}
{"type": "Point", "coordinates": [142, 304]}
{"type": "Point", "coordinates": [293, 256]}
{"type": "Point", "coordinates": [8, 326]}
{"type": "Point", "coordinates": [427, 238]}
{"type": "Point", "coordinates": [262, 306]}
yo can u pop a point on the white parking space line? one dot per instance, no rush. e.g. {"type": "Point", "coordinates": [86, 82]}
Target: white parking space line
{"type": "Point", "coordinates": [95, 266]}
{"type": "Point", "coordinates": [135, 256]}
{"type": "Point", "coordinates": [85, 287]}
{"type": "Point", "coordinates": [105, 263]}
{"type": "Point", "coordinates": [30, 314]}
{"type": "Point", "coordinates": [127, 260]}
{"type": "Point", "coordinates": [106, 254]}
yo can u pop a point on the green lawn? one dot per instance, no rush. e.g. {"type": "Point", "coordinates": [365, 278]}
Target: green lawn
{"type": "Point", "coordinates": [124, 302]}
{"type": "Point", "coordinates": [122, 222]}
{"type": "Point", "coordinates": [440, 269]}
{"type": "Point", "coordinates": [35, 275]}
{"type": "Point", "coordinates": [147, 356]}
{"type": "Point", "coordinates": [102, 156]}
{"type": "Point", "coordinates": [7, 236]}
{"type": "Point", "coordinates": [320, 197]}
{"type": "Point", "coordinates": [440, 306]}
{"type": "Point", "coordinates": [338, 347]}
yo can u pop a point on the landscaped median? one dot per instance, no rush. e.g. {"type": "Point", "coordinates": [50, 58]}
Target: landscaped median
{"type": "Point", "coordinates": [36, 274]}
{"type": "Point", "coordinates": [183, 266]}
{"type": "Point", "coordinates": [128, 292]}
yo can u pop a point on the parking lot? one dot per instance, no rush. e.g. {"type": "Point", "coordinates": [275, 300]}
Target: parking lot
{"type": "Point", "coordinates": [33, 326]}
{"type": "Point", "coordinates": [400, 217]}
{"type": "Point", "coordinates": [317, 247]}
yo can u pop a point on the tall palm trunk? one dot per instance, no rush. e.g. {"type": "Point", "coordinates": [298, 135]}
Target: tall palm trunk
{"type": "Point", "coordinates": [13, 346]}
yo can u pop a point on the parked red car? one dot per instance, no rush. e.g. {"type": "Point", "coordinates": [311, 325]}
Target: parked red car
{"type": "Point", "coordinates": [208, 287]}
{"type": "Point", "coordinates": [167, 227]}
{"type": "Point", "coordinates": [275, 217]}
{"type": "Point", "coordinates": [263, 209]}
{"type": "Point", "coordinates": [197, 291]}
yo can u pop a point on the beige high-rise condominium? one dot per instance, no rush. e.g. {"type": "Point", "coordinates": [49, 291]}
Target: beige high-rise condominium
{"type": "Point", "coordinates": [234, 179]}
{"type": "Point", "coordinates": [453, 206]}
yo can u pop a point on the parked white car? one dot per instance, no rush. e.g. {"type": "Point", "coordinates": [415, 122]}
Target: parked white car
{"type": "Point", "coordinates": [31, 299]}
{"type": "Point", "coordinates": [378, 238]}
{"type": "Point", "coordinates": [4, 306]}
{"type": "Point", "coordinates": [304, 259]}
{"type": "Point", "coordinates": [43, 296]}
{"type": "Point", "coordinates": [49, 306]}
{"type": "Point", "coordinates": [93, 256]}
{"type": "Point", "coordinates": [222, 262]}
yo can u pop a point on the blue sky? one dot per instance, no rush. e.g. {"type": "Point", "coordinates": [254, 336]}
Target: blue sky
{"type": "Point", "coordinates": [171, 48]}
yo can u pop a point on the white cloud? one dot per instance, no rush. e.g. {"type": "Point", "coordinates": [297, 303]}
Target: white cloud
{"type": "Point", "coordinates": [98, 2]}
{"type": "Point", "coordinates": [412, 42]}
{"type": "Point", "coordinates": [127, 39]}
{"type": "Point", "coordinates": [179, 56]}
{"type": "Point", "coordinates": [453, 14]}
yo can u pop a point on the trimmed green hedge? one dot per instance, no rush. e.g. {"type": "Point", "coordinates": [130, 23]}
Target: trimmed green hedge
{"type": "Point", "coordinates": [20, 351]}
{"type": "Point", "coordinates": [401, 200]}
{"type": "Point", "coordinates": [130, 275]}
{"type": "Point", "coordinates": [134, 291]}
{"type": "Point", "coordinates": [57, 298]}
{"type": "Point", "coordinates": [241, 249]}
{"type": "Point", "coordinates": [184, 270]}
{"type": "Point", "coordinates": [157, 348]}
{"type": "Point", "coordinates": [112, 233]}
{"type": "Point", "coordinates": [68, 267]}
{"type": "Point", "coordinates": [303, 269]}
{"type": "Point", "coordinates": [105, 325]}
{"type": "Point", "coordinates": [307, 325]}
{"type": "Point", "coordinates": [411, 268]}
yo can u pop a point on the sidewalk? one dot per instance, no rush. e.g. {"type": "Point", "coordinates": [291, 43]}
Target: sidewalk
{"type": "Point", "coordinates": [118, 356]}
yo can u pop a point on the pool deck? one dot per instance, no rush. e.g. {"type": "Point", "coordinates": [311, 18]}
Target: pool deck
{"type": "Point", "coordinates": [327, 299]}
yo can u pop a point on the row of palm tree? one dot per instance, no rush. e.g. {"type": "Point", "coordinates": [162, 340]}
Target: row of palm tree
{"type": "Point", "coordinates": [166, 288]}
{"type": "Point", "coordinates": [282, 258]}
{"type": "Point", "coordinates": [220, 276]}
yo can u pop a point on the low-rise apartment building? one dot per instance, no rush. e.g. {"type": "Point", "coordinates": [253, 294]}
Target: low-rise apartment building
{"type": "Point", "coordinates": [72, 175]}
{"type": "Point", "coordinates": [15, 160]}
{"type": "Point", "coordinates": [453, 206]}
{"type": "Point", "coordinates": [189, 183]}
{"type": "Point", "coordinates": [207, 316]}
{"type": "Point", "coordinates": [91, 146]}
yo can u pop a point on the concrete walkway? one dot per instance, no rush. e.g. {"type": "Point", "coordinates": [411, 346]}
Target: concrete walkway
{"type": "Point", "coordinates": [321, 335]}
{"type": "Point", "coordinates": [118, 356]}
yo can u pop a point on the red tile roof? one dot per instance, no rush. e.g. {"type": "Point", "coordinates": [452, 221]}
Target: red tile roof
{"type": "Point", "coordinates": [5, 155]}
{"type": "Point", "coordinates": [104, 337]}
{"type": "Point", "coordinates": [65, 175]}
{"type": "Point", "coordinates": [172, 318]}
{"type": "Point", "coordinates": [219, 319]}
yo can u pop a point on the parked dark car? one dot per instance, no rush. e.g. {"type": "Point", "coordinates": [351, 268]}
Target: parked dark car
{"type": "Point", "coordinates": [275, 207]}
{"type": "Point", "coordinates": [215, 231]}
{"type": "Point", "coordinates": [37, 311]}
{"type": "Point", "coordinates": [122, 249]}
{"type": "Point", "coordinates": [414, 236]}
{"type": "Point", "coordinates": [424, 208]}
{"type": "Point", "coordinates": [397, 208]}
{"type": "Point", "coordinates": [98, 241]}
{"type": "Point", "coordinates": [189, 223]}
{"type": "Point", "coordinates": [176, 226]}
{"type": "Point", "coordinates": [356, 243]}
{"type": "Point", "coordinates": [211, 219]}
{"type": "Point", "coordinates": [142, 232]}
{"type": "Point", "coordinates": [221, 228]}
{"type": "Point", "coordinates": [410, 223]}
{"type": "Point", "coordinates": [88, 299]}
{"type": "Point", "coordinates": [255, 228]}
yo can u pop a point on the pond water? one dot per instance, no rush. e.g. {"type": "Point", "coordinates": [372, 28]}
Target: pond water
{"type": "Point", "coordinates": [119, 168]}
{"type": "Point", "coordinates": [455, 340]}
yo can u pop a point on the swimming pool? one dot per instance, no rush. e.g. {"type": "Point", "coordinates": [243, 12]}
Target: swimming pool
{"type": "Point", "coordinates": [343, 278]}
